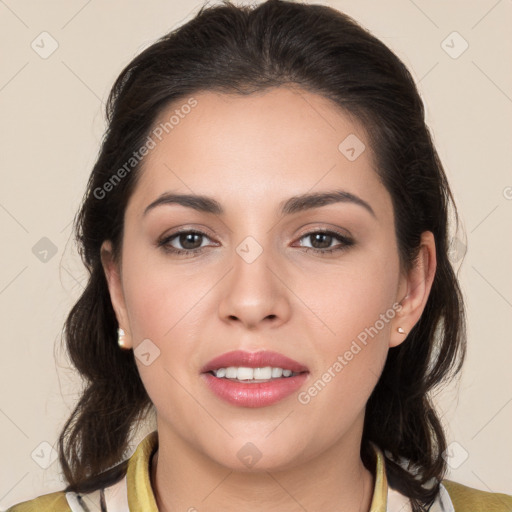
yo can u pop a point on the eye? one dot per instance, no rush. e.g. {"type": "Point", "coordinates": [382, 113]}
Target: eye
{"type": "Point", "coordinates": [321, 241]}
{"type": "Point", "coordinates": [189, 242]}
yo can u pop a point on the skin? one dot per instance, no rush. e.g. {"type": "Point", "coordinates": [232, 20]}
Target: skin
{"type": "Point", "coordinates": [305, 305]}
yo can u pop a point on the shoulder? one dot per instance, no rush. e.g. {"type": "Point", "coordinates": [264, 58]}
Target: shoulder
{"type": "Point", "coordinates": [473, 500]}
{"type": "Point", "coordinates": [53, 502]}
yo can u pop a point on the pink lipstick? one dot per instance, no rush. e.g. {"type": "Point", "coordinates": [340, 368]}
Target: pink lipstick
{"type": "Point", "coordinates": [253, 379]}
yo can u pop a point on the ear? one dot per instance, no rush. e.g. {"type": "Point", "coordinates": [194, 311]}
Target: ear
{"type": "Point", "coordinates": [113, 276]}
{"type": "Point", "coordinates": [414, 289]}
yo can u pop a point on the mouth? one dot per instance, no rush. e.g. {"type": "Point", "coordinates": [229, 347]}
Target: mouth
{"type": "Point", "coordinates": [253, 379]}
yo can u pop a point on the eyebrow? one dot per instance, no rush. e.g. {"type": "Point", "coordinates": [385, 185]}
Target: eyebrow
{"type": "Point", "coordinates": [292, 205]}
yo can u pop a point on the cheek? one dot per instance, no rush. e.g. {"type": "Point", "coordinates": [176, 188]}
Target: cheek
{"type": "Point", "coordinates": [354, 306]}
{"type": "Point", "coordinates": [159, 296]}
{"type": "Point", "coordinates": [163, 307]}
{"type": "Point", "coordinates": [350, 298]}
{"type": "Point", "coordinates": [167, 304]}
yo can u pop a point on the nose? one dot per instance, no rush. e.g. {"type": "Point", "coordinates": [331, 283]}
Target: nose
{"type": "Point", "coordinates": [255, 294]}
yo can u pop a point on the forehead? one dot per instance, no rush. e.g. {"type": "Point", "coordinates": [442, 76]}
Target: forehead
{"type": "Point", "coordinates": [256, 148]}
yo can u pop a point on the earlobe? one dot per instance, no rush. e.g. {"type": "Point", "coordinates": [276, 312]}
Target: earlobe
{"type": "Point", "coordinates": [415, 289]}
{"type": "Point", "coordinates": [113, 278]}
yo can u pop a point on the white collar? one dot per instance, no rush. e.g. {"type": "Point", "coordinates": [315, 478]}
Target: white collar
{"type": "Point", "coordinates": [397, 502]}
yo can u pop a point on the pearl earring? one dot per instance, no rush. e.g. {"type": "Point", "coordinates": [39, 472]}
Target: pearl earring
{"type": "Point", "coordinates": [121, 339]}
{"type": "Point", "coordinates": [400, 330]}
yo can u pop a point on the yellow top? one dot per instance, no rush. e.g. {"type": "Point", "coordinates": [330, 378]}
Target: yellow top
{"type": "Point", "coordinates": [134, 492]}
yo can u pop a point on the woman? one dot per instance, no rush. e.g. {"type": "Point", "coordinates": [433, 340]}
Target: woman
{"type": "Point", "coordinates": [266, 231]}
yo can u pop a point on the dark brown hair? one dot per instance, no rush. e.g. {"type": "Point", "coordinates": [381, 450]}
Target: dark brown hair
{"type": "Point", "coordinates": [243, 50]}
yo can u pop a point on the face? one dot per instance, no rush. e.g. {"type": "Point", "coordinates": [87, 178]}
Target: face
{"type": "Point", "coordinates": [317, 282]}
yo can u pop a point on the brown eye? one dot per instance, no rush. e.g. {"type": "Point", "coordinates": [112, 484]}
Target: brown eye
{"type": "Point", "coordinates": [322, 241]}
{"type": "Point", "coordinates": [184, 242]}
{"type": "Point", "coordinates": [190, 240]}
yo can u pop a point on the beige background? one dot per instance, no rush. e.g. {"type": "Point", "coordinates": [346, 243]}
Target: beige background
{"type": "Point", "coordinates": [51, 126]}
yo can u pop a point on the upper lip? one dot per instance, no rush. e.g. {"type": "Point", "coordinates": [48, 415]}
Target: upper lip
{"type": "Point", "coordinates": [253, 360]}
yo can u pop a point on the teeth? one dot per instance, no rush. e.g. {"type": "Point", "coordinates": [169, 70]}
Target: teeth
{"type": "Point", "coordinates": [231, 372]}
{"type": "Point", "coordinates": [221, 372]}
{"type": "Point", "coordinates": [244, 373]}
{"type": "Point", "coordinates": [277, 372]}
{"type": "Point", "coordinates": [262, 373]}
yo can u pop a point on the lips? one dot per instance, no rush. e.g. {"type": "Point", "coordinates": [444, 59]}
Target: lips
{"type": "Point", "coordinates": [253, 360]}
{"type": "Point", "coordinates": [262, 394]}
{"type": "Point", "coordinates": [254, 394]}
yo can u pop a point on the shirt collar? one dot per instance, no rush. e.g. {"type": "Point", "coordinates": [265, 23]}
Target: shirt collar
{"type": "Point", "coordinates": [140, 493]}
{"type": "Point", "coordinates": [142, 499]}
{"type": "Point", "coordinates": [380, 490]}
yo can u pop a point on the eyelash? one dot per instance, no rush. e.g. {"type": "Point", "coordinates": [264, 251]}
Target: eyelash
{"type": "Point", "coordinates": [346, 242]}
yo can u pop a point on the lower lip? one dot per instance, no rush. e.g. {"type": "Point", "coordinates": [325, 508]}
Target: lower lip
{"type": "Point", "coordinates": [258, 394]}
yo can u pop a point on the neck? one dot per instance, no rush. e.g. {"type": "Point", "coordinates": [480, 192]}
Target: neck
{"type": "Point", "coordinates": [333, 481]}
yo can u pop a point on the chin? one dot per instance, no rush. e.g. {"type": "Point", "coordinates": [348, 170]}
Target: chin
{"type": "Point", "coordinates": [257, 455]}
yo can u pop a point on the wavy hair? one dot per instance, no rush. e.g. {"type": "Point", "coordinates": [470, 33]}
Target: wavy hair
{"type": "Point", "coordinates": [243, 50]}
